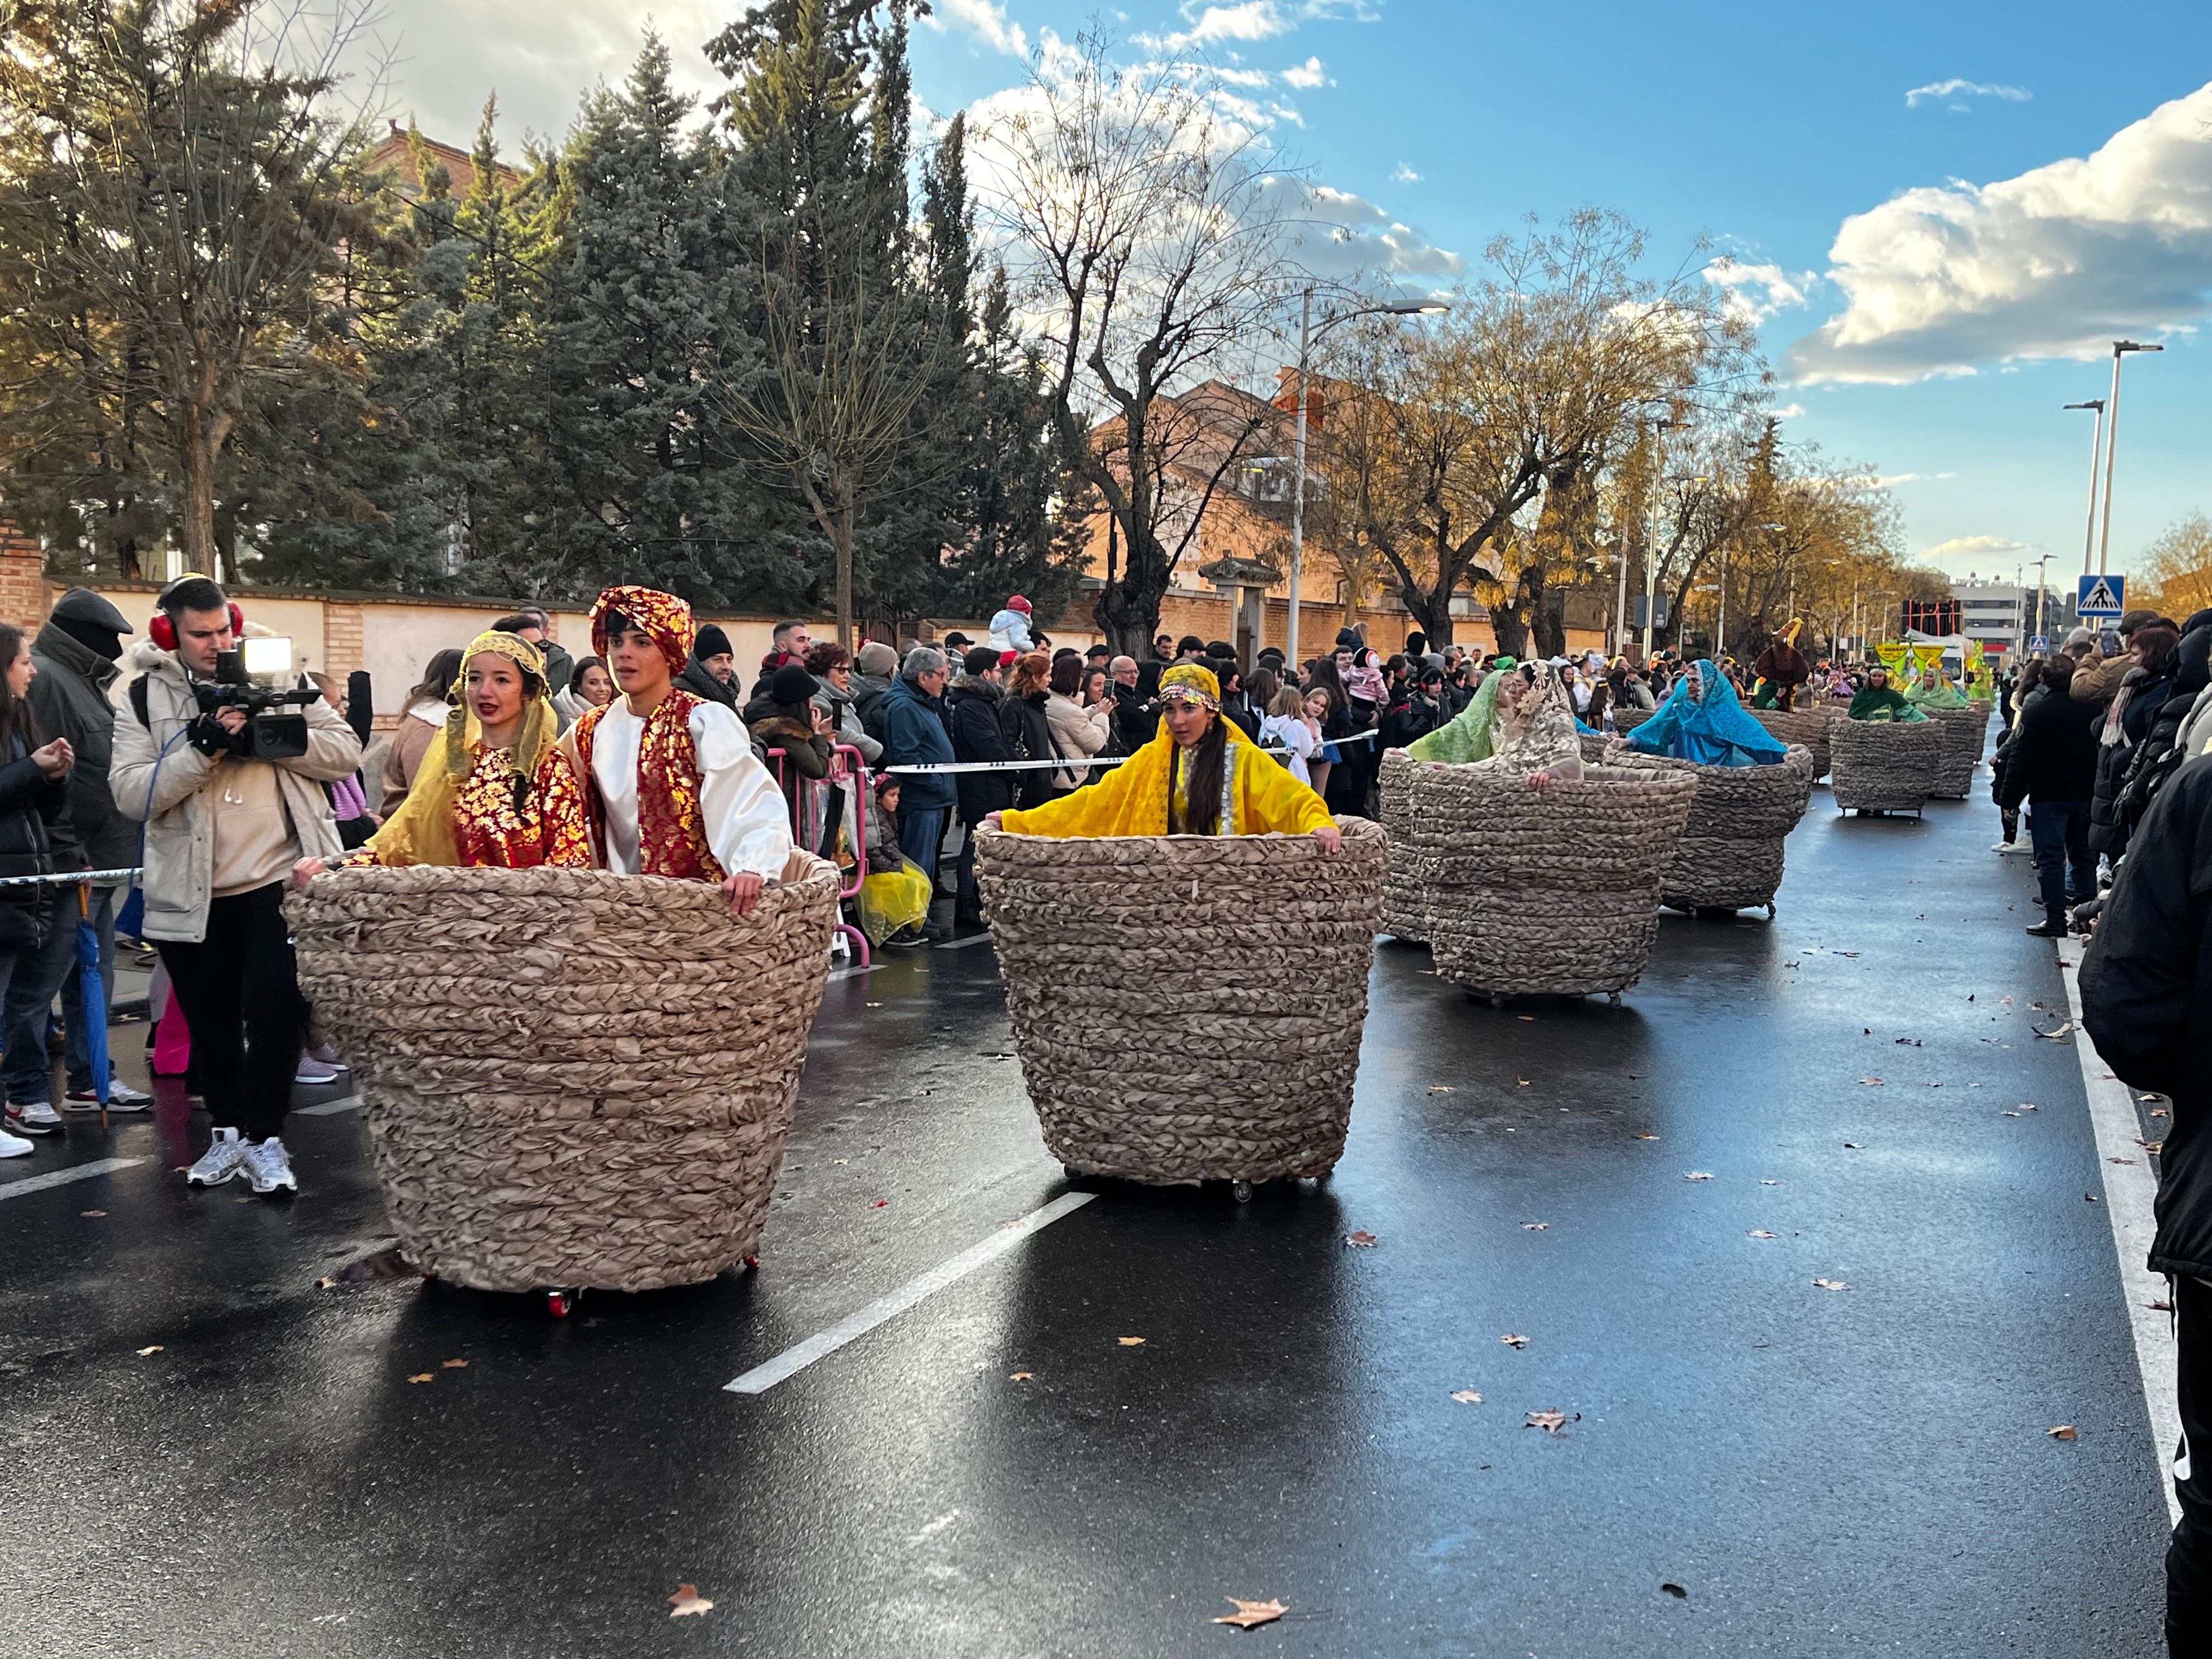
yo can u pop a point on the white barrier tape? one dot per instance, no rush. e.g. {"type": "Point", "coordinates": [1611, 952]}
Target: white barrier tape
{"type": "Point", "coordinates": [67, 878]}
{"type": "Point", "coordinates": [1000, 766]}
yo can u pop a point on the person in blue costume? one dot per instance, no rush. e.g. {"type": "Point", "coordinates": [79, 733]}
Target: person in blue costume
{"type": "Point", "coordinates": [1702, 722]}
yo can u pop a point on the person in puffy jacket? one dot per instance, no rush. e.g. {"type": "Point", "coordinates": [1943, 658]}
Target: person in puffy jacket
{"type": "Point", "coordinates": [38, 924]}
{"type": "Point", "coordinates": [2142, 697]}
{"type": "Point", "coordinates": [916, 734]}
{"type": "Point", "coordinates": [2147, 1002]}
{"type": "Point", "coordinates": [972, 711]}
{"type": "Point", "coordinates": [1010, 626]}
{"type": "Point", "coordinates": [2051, 765]}
{"type": "Point", "coordinates": [2160, 752]}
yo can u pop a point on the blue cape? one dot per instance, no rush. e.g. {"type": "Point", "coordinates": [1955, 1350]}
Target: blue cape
{"type": "Point", "coordinates": [1715, 731]}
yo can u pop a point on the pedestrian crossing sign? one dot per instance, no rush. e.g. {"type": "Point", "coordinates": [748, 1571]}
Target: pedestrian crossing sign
{"type": "Point", "coordinates": [2100, 596]}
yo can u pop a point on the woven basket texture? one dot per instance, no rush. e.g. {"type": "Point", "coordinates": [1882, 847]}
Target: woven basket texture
{"type": "Point", "coordinates": [1883, 766]}
{"type": "Point", "coordinates": [1627, 719]}
{"type": "Point", "coordinates": [1966, 732]}
{"type": "Point", "coordinates": [1554, 893]}
{"type": "Point", "coordinates": [1142, 1061]}
{"type": "Point", "coordinates": [1405, 901]}
{"type": "Point", "coordinates": [1808, 726]}
{"type": "Point", "coordinates": [1730, 857]}
{"type": "Point", "coordinates": [571, 1078]}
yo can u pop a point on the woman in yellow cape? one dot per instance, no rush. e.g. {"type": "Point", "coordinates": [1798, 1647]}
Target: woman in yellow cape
{"type": "Point", "coordinates": [1198, 776]}
{"type": "Point", "coordinates": [495, 791]}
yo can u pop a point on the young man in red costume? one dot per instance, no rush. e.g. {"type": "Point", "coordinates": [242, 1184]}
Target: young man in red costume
{"type": "Point", "coordinates": [670, 778]}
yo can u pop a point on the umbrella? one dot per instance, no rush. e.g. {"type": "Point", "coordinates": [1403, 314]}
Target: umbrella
{"type": "Point", "coordinates": [92, 997]}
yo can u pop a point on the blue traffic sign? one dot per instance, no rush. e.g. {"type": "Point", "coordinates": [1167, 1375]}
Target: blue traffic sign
{"type": "Point", "coordinates": [2040, 645]}
{"type": "Point", "coordinates": [2101, 596]}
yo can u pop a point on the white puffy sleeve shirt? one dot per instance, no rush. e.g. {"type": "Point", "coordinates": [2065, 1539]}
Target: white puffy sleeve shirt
{"type": "Point", "coordinates": [747, 825]}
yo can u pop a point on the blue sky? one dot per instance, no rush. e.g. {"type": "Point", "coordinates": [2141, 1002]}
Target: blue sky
{"type": "Point", "coordinates": [1765, 127]}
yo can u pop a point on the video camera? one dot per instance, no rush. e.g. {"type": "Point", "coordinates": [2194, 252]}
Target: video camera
{"type": "Point", "coordinates": [257, 676]}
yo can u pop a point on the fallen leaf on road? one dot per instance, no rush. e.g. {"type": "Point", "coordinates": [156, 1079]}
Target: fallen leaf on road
{"type": "Point", "coordinates": [1770, 1184]}
{"type": "Point", "coordinates": [1871, 1082]}
{"type": "Point", "coordinates": [1131, 1341]}
{"type": "Point", "coordinates": [2063, 1431]}
{"type": "Point", "coordinates": [687, 1600]}
{"type": "Point", "coordinates": [1677, 1590]}
{"type": "Point", "coordinates": [1697, 1175]}
{"type": "Point", "coordinates": [1534, 1226]}
{"type": "Point", "coordinates": [1551, 1421]}
{"type": "Point", "coordinates": [2157, 1111]}
{"type": "Point", "coordinates": [422, 1377]}
{"type": "Point", "coordinates": [1468, 1397]}
{"type": "Point", "coordinates": [2058, 1035]}
{"type": "Point", "coordinates": [2119, 1160]}
{"type": "Point", "coordinates": [142, 1352]}
{"type": "Point", "coordinates": [455, 1365]}
{"type": "Point", "coordinates": [840, 1160]}
{"type": "Point", "coordinates": [2153, 1146]}
{"type": "Point", "coordinates": [326, 1284]}
{"type": "Point", "coordinates": [880, 1204]}
{"type": "Point", "coordinates": [1522, 1081]}
{"type": "Point", "coordinates": [1361, 1241]}
{"type": "Point", "coordinates": [2091, 1197]}
{"type": "Point", "coordinates": [1514, 1339]}
{"type": "Point", "coordinates": [1759, 1232]}
{"type": "Point", "coordinates": [2027, 1106]}
{"type": "Point", "coordinates": [2007, 1114]}
{"type": "Point", "coordinates": [1022, 1377]}
{"type": "Point", "coordinates": [1854, 1147]}
{"type": "Point", "coordinates": [1440, 1088]}
{"type": "Point", "coordinates": [1831, 1284]}
{"type": "Point", "coordinates": [1846, 953]}
{"type": "Point", "coordinates": [2161, 1305]}
{"type": "Point", "coordinates": [1641, 1137]}
{"type": "Point", "coordinates": [2008, 1002]}
{"type": "Point", "coordinates": [1250, 1614]}
{"type": "Point", "coordinates": [92, 1212]}
{"type": "Point", "coordinates": [1531, 1018]}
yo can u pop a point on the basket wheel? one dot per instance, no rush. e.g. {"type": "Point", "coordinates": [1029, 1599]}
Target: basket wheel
{"type": "Point", "coordinates": [560, 1304]}
{"type": "Point", "coordinates": [1240, 1191]}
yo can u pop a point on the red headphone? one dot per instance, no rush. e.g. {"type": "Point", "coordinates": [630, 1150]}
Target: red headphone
{"type": "Point", "coordinates": [162, 630]}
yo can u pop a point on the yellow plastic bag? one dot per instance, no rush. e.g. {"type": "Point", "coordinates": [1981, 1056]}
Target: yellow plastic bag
{"type": "Point", "coordinates": [889, 903]}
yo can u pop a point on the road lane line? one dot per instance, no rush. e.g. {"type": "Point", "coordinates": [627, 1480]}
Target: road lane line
{"type": "Point", "coordinates": [98, 1166]}
{"type": "Point", "coordinates": [792, 1361]}
{"type": "Point", "coordinates": [328, 1108]}
{"type": "Point", "coordinates": [2130, 1191]}
{"type": "Point", "coordinates": [962, 943]}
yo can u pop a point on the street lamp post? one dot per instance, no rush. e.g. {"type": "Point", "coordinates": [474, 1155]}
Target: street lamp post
{"type": "Point", "coordinates": [1650, 540]}
{"type": "Point", "coordinates": [1307, 334]}
{"type": "Point", "coordinates": [2112, 418]}
{"type": "Point", "coordinates": [2096, 456]}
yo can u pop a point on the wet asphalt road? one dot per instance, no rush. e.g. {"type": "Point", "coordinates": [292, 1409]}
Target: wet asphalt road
{"type": "Point", "coordinates": [1822, 1472]}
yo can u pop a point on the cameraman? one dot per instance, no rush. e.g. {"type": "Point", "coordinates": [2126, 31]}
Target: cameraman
{"type": "Point", "coordinates": [223, 830]}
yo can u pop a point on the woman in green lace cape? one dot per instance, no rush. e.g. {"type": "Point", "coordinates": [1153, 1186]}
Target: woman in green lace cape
{"type": "Point", "coordinates": [1472, 735]}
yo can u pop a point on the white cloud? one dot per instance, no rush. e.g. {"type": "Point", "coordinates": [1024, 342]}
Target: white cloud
{"type": "Point", "coordinates": [1788, 412]}
{"type": "Point", "coordinates": [1405, 175]}
{"type": "Point", "coordinates": [1307, 76]}
{"type": "Point", "coordinates": [1758, 291]}
{"type": "Point", "coordinates": [1256, 20]}
{"type": "Point", "coordinates": [1953, 90]}
{"type": "Point", "coordinates": [986, 21]}
{"type": "Point", "coordinates": [2056, 262]}
{"type": "Point", "coordinates": [1960, 547]}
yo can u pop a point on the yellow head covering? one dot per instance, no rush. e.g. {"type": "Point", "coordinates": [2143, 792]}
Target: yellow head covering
{"type": "Point", "coordinates": [422, 830]}
{"type": "Point", "coordinates": [1188, 683]}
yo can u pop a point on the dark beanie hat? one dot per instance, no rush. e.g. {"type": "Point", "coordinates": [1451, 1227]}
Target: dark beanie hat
{"type": "Point", "coordinates": [1348, 640]}
{"type": "Point", "coordinates": [709, 642]}
{"type": "Point", "coordinates": [791, 683]}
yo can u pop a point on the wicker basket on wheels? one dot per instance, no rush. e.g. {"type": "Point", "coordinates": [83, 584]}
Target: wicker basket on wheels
{"type": "Point", "coordinates": [1142, 1059]}
{"type": "Point", "coordinates": [572, 1078]}
{"type": "Point", "coordinates": [1626, 720]}
{"type": "Point", "coordinates": [1730, 856]}
{"type": "Point", "coordinates": [1405, 899]}
{"type": "Point", "coordinates": [1884, 765]}
{"type": "Point", "coordinates": [1809, 726]}
{"type": "Point", "coordinates": [1551, 893]}
{"type": "Point", "coordinates": [1966, 732]}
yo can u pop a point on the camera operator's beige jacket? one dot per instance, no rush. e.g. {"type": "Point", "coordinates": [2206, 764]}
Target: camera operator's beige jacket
{"type": "Point", "coordinates": [179, 806]}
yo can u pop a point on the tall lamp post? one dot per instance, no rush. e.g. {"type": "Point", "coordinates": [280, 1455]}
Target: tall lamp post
{"type": "Point", "coordinates": [2096, 459]}
{"type": "Point", "coordinates": [1307, 335]}
{"type": "Point", "coordinates": [2112, 419]}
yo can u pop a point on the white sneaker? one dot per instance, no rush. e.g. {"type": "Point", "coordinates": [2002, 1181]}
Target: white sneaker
{"type": "Point", "coordinates": [269, 1166]}
{"type": "Point", "coordinates": [326, 1055]}
{"type": "Point", "coordinates": [224, 1157]}
{"type": "Point", "coordinates": [15, 1145]}
{"type": "Point", "coordinates": [2012, 847]}
{"type": "Point", "coordinates": [313, 1071]}
{"type": "Point", "coordinates": [121, 1097]}
{"type": "Point", "coordinates": [36, 1117]}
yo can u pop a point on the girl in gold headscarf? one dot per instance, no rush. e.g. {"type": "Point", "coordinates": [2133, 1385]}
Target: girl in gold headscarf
{"type": "Point", "coordinates": [1198, 776]}
{"type": "Point", "coordinates": [495, 790]}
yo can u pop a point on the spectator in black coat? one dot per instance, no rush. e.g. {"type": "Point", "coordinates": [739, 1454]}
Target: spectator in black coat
{"type": "Point", "coordinates": [2156, 757]}
{"type": "Point", "coordinates": [38, 924]}
{"type": "Point", "coordinates": [2141, 697]}
{"type": "Point", "coordinates": [2051, 763]}
{"type": "Point", "coordinates": [2147, 1004]}
{"type": "Point", "coordinates": [1416, 714]}
{"type": "Point", "coordinates": [972, 711]}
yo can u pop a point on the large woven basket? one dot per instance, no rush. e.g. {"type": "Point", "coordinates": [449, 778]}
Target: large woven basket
{"type": "Point", "coordinates": [1149, 1051]}
{"type": "Point", "coordinates": [1883, 766]}
{"type": "Point", "coordinates": [1730, 856]}
{"type": "Point", "coordinates": [1809, 726]}
{"type": "Point", "coordinates": [571, 1078]}
{"type": "Point", "coordinates": [1627, 719]}
{"type": "Point", "coordinates": [1405, 899]}
{"type": "Point", "coordinates": [1966, 732]}
{"type": "Point", "coordinates": [1550, 893]}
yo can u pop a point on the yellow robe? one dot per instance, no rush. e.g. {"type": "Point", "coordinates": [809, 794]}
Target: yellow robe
{"type": "Point", "coordinates": [1132, 800]}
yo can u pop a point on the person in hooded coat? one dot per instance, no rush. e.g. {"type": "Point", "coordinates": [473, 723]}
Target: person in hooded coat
{"type": "Point", "coordinates": [1470, 735]}
{"type": "Point", "coordinates": [2145, 689]}
{"type": "Point", "coordinates": [784, 715]}
{"type": "Point", "coordinates": [2161, 752]}
{"type": "Point", "coordinates": [1783, 666]}
{"type": "Point", "coordinates": [1537, 734]}
{"type": "Point", "coordinates": [1878, 700]}
{"type": "Point", "coordinates": [1702, 722]}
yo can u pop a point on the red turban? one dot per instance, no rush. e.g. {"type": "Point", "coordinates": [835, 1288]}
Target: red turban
{"type": "Point", "coordinates": [664, 616]}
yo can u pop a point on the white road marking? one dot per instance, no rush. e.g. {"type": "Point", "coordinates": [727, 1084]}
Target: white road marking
{"type": "Point", "coordinates": [793, 1360]}
{"type": "Point", "coordinates": [962, 943]}
{"type": "Point", "coordinates": [847, 973]}
{"type": "Point", "coordinates": [2130, 1190]}
{"type": "Point", "coordinates": [329, 1108]}
{"type": "Point", "coordinates": [39, 1184]}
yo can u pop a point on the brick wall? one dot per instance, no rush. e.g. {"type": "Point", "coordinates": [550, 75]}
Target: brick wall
{"type": "Point", "coordinates": [22, 579]}
{"type": "Point", "coordinates": [343, 641]}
